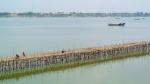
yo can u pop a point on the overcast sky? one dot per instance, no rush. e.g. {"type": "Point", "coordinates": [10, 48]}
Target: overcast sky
{"type": "Point", "coordinates": [74, 5]}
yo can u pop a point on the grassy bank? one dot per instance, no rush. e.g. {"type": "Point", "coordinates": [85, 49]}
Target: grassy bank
{"type": "Point", "coordinates": [22, 73]}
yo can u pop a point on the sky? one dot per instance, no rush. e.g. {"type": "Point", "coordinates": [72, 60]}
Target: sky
{"type": "Point", "coordinates": [74, 5]}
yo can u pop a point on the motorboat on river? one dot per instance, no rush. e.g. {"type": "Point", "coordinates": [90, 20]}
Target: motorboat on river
{"type": "Point", "coordinates": [119, 24]}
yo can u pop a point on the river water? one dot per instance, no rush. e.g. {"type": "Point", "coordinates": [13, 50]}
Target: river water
{"type": "Point", "coordinates": [33, 35]}
{"type": "Point", "coordinates": [51, 34]}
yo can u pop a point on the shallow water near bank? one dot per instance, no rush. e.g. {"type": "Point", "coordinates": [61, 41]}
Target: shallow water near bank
{"type": "Point", "coordinates": [127, 71]}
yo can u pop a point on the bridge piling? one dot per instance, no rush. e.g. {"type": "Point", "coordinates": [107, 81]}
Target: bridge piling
{"type": "Point", "coordinates": [70, 57]}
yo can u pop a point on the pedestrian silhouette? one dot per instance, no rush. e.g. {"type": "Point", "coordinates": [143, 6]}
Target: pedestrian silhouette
{"type": "Point", "coordinates": [23, 54]}
{"type": "Point", "coordinates": [63, 51]}
{"type": "Point", "coordinates": [17, 56]}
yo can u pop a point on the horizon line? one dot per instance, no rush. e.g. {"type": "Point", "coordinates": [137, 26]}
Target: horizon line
{"type": "Point", "coordinates": [71, 12]}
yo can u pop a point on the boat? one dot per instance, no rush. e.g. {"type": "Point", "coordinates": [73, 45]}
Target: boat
{"type": "Point", "coordinates": [137, 19]}
{"type": "Point", "coordinates": [119, 24]}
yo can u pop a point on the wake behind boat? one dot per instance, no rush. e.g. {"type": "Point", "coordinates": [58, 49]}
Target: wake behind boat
{"type": "Point", "coordinates": [119, 24]}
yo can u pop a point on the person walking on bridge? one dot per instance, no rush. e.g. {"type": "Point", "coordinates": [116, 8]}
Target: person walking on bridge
{"type": "Point", "coordinates": [24, 54]}
{"type": "Point", "coordinates": [17, 56]}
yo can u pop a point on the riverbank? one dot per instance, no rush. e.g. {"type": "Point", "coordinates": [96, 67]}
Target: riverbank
{"type": "Point", "coordinates": [14, 68]}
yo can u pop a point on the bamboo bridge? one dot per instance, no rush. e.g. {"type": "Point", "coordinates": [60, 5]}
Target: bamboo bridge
{"type": "Point", "coordinates": [51, 59]}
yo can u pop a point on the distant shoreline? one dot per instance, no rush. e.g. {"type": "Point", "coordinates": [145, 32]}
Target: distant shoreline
{"type": "Point", "coordinates": [74, 14]}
